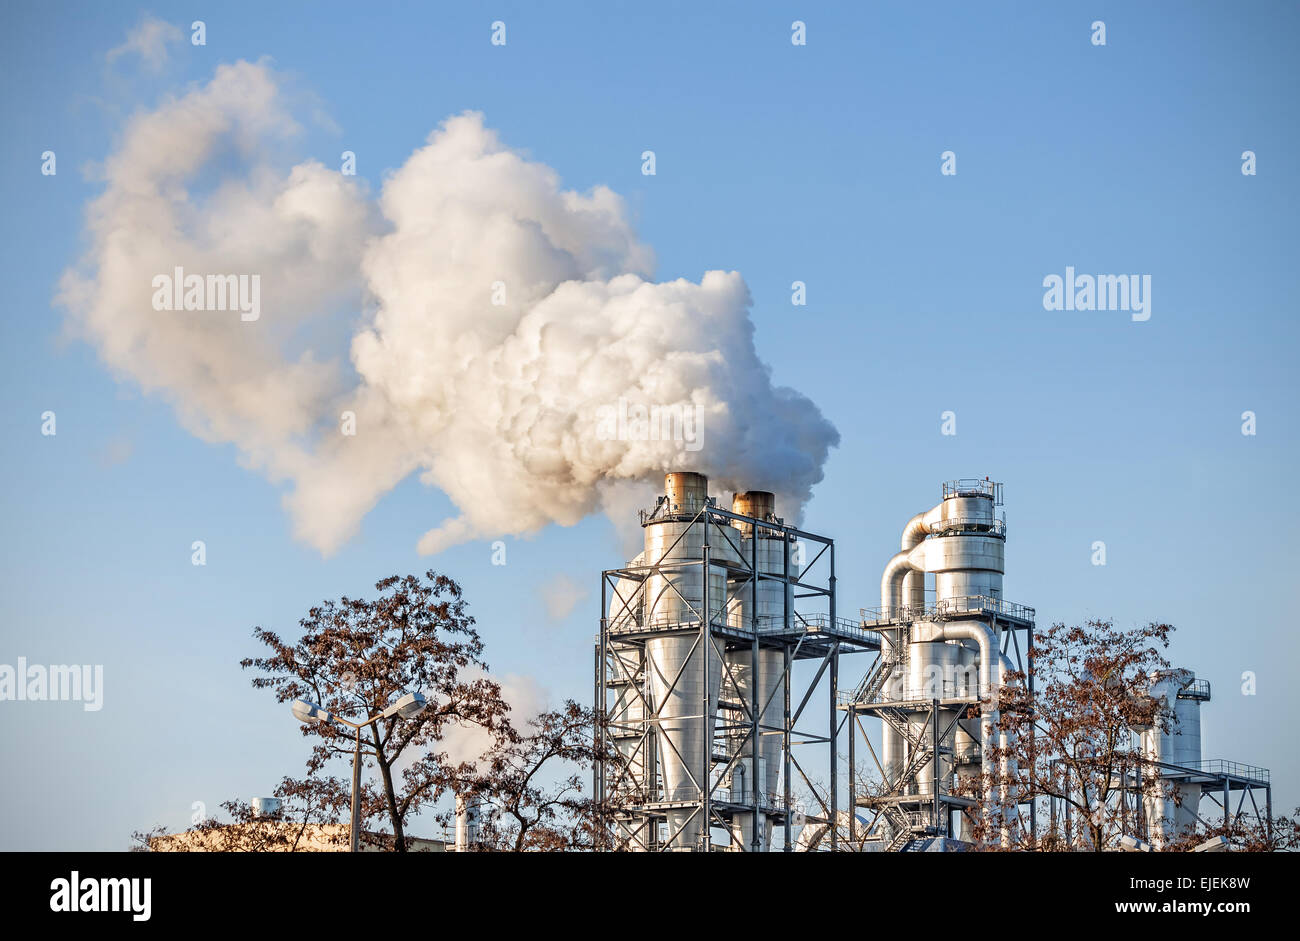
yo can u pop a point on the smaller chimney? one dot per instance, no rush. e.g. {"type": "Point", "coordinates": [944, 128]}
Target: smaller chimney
{"type": "Point", "coordinates": [687, 492]}
{"type": "Point", "coordinates": [759, 504]}
{"type": "Point", "coordinates": [468, 807]}
{"type": "Point", "coordinates": [266, 806]}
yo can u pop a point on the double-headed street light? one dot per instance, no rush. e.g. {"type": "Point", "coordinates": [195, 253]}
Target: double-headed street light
{"type": "Point", "coordinates": [409, 706]}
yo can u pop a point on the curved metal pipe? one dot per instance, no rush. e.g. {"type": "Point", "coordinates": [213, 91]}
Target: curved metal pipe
{"type": "Point", "coordinates": [891, 587]}
{"type": "Point", "coordinates": [902, 583]}
{"type": "Point", "coordinates": [891, 582]}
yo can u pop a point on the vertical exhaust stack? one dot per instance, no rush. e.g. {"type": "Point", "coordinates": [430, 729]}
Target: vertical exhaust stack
{"type": "Point", "coordinates": [757, 504]}
{"type": "Point", "coordinates": [687, 586]}
{"type": "Point", "coordinates": [695, 686]}
{"type": "Point", "coordinates": [760, 608]}
{"type": "Point", "coordinates": [468, 809]}
{"type": "Point", "coordinates": [686, 492]}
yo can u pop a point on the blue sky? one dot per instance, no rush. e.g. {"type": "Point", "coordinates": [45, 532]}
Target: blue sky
{"type": "Point", "coordinates": [817, 163]}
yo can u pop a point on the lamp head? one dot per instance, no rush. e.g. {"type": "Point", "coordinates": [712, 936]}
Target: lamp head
{"type": "Point", "coordinates": [309, 712]}
{"type": "Point", "coordinates": [410, 705]}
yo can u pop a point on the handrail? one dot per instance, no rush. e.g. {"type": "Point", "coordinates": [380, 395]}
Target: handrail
{"type": "Point", "coordinates": [946, 608]}
{"type": "Point", "coordinates": [948, 689]}
{"type": "Point", "coordinates": [664, 510]}
{"type": "Point", "coordinates": [970, 487]}
{"type": "Point", "coordinates": [1196, 689]}
{"type": "Point", "coordinates": [1234, 768]}
{"type": "Point", "coordinates": [767, 624]}
{"type": "Point", "coordinates": [994, 527]}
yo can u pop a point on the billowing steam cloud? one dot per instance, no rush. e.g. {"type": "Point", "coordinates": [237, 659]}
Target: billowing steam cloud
{"type": "Point", "coordinates": [477, 320]}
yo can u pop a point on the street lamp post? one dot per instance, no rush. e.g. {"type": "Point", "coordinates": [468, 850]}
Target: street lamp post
{"type": "Point", "coordinates": [409, 706]}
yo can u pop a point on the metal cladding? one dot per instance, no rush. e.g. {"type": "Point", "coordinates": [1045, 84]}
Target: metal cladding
{"type": "Point", "coordinates": [678, 689]}
{"type": "Point", "coordinates": [763, 605]}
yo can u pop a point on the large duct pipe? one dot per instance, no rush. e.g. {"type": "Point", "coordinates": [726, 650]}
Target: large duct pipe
{"type": "Point", "coordinates": [892, 582]}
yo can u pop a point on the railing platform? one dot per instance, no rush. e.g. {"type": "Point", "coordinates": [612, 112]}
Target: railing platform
{"type": "Point", "coordinates": [813, 632]}
{"type": "Point", "coordinates": [949, 609]}
{"type": "Point", "coordinates": [1219, 768]}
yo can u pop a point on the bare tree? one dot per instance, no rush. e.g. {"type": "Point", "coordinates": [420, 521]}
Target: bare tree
{"type": "Point", "coordinates": [532, 784]}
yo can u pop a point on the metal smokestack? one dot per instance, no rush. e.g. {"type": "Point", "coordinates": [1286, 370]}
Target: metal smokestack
{"type": "Point", "coordinates": [683, 668]}
{"type": "Point", "coordinates": [468, 810]}
{"type": "Point", "coordinates": [686, 492]}
{"type": "Point", "coordinates": [759, 504]}
{"type": "Point", "coordinates": [766, 550]}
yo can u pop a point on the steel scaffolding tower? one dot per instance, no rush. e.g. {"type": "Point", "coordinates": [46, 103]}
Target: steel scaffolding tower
{"type": "Point", "coordinates": [767, 608]}
{"type": "Point", "coordinates": [939, 722]}
{"type": "Point", "coordinates": [944, 707]}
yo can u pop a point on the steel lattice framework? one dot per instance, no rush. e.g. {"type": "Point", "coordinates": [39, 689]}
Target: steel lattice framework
{"type": "Point", "coordinates": [631, 806]}
{"type": "Point", "coordinates": [913, 815]}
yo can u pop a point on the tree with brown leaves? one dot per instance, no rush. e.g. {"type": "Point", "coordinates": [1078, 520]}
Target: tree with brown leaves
{"type": "Point", "coordinates": [355, 658]}
{"type": "Point", "coordinates": [296, 827]}
{"type": "Point", "coordinates": [1073, 741]}
{"type": "Point", "coordinates": [1249, 834]}
{"type": "Point", "coordinates": [532, 784]}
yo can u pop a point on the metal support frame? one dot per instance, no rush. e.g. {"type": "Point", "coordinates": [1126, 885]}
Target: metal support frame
{"type": "Point", "coordinates": [915, 815]}
{"type": "Point", "coordinates": [630, 803]}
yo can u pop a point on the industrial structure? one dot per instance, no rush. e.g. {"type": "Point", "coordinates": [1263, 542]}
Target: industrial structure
{"type": "Point", "coordinates": [694, 673]}
{"type": "Point", "coordinates": [939, 662]}
{"type": "Point", "coordinates": [1181, 780]}
{"type": "Point", "coordinates": [1165, 790]}
{"type": "Point", "coordinates": [717, 640]}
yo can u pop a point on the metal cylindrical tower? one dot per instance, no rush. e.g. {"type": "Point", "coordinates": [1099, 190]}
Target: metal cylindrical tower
{"type": "Point", "coordinates": [1173, 745]}
{"type": "Point", "coordinates": [693, 686]}
{"type": "Point", "coordinates": [468, 811]}
{"type": "Point", "coordinates": [687, 587]}
{"type": "Point", "coordinates": [761, 605]}
{"type": "Point", "coordinates": [940, 658]}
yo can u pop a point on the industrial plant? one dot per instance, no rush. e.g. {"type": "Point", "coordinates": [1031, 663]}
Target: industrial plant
{"type": "Point", "coordinates": [720, 671]}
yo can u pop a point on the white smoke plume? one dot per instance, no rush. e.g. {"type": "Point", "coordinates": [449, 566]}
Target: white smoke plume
{"type": "Point", "coordinates": [476, 318]}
